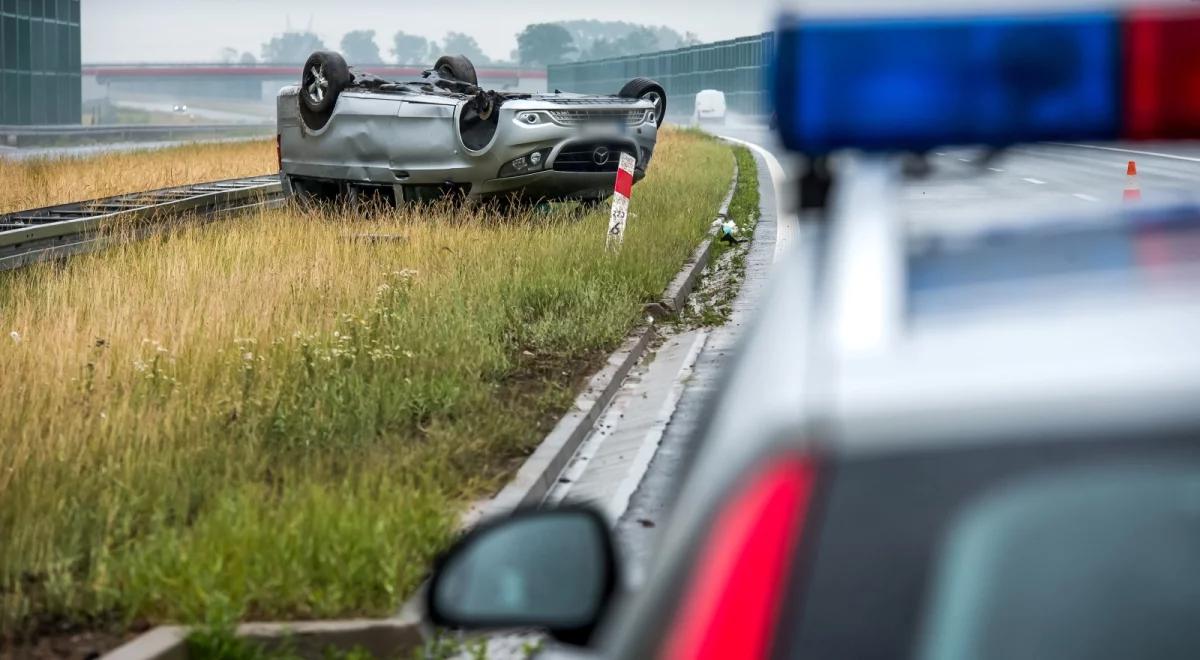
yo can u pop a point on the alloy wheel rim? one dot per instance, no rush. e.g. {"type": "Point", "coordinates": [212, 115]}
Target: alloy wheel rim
{"type": "Point", "coordinates": [656, 99]}
{"type": "Point", "coordinates": [319, 85]}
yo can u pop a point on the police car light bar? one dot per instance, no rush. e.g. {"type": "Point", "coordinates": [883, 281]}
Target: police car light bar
{"type": "Point", "coordinates": [911, 84]}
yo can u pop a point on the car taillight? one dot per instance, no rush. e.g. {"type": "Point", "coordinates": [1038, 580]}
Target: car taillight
{"type": "Point", "coordinates": [1162, 74]}
{"type": "Point", "coordinates": [279, 151]}
{"type": "Point", "coordinates": [732, 599]}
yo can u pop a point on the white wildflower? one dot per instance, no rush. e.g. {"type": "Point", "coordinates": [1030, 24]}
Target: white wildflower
{"type": "Point", "coordinates": [16, 336]}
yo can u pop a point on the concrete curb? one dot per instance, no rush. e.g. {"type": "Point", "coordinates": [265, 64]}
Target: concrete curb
{"type": "Point", "coordinates": [681, 287]}
{"type": "Point", "coordinates": [402, 634]}
{"type": "Point", "coordinates": [161, 643]}
{"type": "Point", "coordinates": [539, 472]}
{"type": "Point", "coordinates": [308, 639]}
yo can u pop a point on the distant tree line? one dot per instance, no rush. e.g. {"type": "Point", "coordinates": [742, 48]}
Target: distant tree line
{"type": "Point", "coordinates": [538, 44]}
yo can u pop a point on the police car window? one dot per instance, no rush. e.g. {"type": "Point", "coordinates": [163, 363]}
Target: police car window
{"type": "Point", "coordinates": [1095, 564]}
{"type": "Point", "coordinates": [1072, 257]}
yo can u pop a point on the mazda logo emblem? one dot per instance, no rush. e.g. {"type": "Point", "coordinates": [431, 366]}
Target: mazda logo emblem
{"type": "Point", "coordinates": [600, 155]}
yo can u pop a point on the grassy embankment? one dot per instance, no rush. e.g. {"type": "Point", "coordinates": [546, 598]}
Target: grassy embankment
{"type": "Point", "coordinates": [263, 419]}
{"type": "Point", "coordinates": [41, 182]}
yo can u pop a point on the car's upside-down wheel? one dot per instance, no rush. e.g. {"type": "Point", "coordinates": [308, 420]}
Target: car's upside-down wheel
{"type": "Point", "coordinates": [325, 76]}
{"type": "Point", "coordinates": [644, 88]}
{"type": "Point", "coordinates": [456, 67]}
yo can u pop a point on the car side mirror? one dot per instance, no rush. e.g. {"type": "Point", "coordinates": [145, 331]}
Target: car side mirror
{"type": "Point", "coordinates": [553, 569]}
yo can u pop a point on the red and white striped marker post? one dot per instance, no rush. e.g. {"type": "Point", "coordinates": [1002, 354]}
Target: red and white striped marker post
{"type": "Point", "coordinates": [620, 204]}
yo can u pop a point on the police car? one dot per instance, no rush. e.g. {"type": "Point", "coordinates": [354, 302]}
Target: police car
{"type": "Point", "coordinates": [935, 443]}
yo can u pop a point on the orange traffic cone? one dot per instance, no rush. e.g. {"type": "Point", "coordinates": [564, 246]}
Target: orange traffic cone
{"type": "Point", "coordinates": [1133, 192]}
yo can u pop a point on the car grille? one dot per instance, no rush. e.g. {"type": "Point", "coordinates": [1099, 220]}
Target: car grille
{"type": "Point", "coordinates": [583, 157]}
{"type": "Point", "coordinates": [576, 116]}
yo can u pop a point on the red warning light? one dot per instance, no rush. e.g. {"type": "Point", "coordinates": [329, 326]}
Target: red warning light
{"type": "Point", "coordinates": [1162, 73]}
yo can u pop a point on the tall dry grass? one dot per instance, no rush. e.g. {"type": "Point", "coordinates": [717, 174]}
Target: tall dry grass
{"type": "Point", "coordinates": [40, 182]}
{"type": "Point", "coordinates": [268, 417]}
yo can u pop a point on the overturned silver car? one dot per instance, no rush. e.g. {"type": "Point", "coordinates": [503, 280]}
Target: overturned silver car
{"type": "Point", "coordinates": [349, 134]}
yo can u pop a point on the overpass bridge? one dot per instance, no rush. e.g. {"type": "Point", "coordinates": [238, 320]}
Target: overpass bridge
{"type": "Point", "coordinates": [257, 82]}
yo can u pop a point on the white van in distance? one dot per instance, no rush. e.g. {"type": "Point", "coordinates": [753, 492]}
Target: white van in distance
{"type": "Point", "coordinates": [710, 107]}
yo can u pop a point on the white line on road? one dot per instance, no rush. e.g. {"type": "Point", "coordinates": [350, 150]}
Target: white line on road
{"type": "Point", "coordinates": [996, 169]}
{"type": "Point", "coordinates": [1034, 181]}
{"type": "Point", "coordinates": [650, 442]}
{"type": "Point", "coordinates": [1129, 151]}
{"type": "Point", "coordinates": [786, 225]}
{"type": "Point", "coordinates": [1086, 197]}
{"type": "Point", "coordinates": [964, 160]}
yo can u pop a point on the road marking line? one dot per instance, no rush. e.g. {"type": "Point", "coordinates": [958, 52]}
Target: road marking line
{"type": "Point", "coordinates": [601, 430]}
{"type": "Point", "coordinates": [1086, 197]}
{"type": "Point", "coordinates": [1129, 151]}
{"type": "Point", "coordinates": [786, 225]}
{"type": "Point", "coordinates": [653, 438]}
{"type": "Point", "coordinates": [964, 160]}
{"type": "Point", "coordinates": [1034, 181]}
{"type": "Point", "coordinates": [996, 169]}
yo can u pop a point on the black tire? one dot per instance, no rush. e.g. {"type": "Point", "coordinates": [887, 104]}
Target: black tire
{"type": "Point", "coordinates": [644, 88]}
{"type": "Point", "coordinates": [456, 67]}
{"type": "Point", "coordinates": [324, 77]}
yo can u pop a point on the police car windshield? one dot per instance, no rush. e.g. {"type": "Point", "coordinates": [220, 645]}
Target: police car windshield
{"type": "Point", "coordinates": [1136, 254]}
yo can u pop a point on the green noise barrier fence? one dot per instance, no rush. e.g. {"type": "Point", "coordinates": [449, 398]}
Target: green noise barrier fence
{"type": "Point", "coordinates": [737, 67]}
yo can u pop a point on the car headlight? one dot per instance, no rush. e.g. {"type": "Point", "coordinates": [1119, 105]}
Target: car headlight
{"type": "Point", "coordinates": [534, 161]}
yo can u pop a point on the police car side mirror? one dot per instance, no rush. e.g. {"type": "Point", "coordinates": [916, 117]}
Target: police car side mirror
{"type": "Point", "coordinates": [553, 569]}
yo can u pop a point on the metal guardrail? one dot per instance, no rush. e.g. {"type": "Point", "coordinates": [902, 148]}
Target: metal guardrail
{"type": "Point", "coordinates": [20, 136]}
{"type": "Point", "coordinates": [59, 231]}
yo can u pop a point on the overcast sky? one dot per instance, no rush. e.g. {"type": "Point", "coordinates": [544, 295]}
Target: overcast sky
{"type": "Point", "coordinates": [196, 30]}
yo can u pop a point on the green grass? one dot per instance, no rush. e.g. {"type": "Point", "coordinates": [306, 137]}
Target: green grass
{"type": "Point", "coordinates": [219, 642]}
{"type": "Point", "coordinates": [266, 419]}
{"type": "Point", "coordinates": [744, 207]}
{"type": "Point", "coordinates": [716, 297]}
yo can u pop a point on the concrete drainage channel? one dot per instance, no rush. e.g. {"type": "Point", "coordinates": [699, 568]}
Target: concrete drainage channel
{"type": "Point", "coordinates": [587, 456]}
